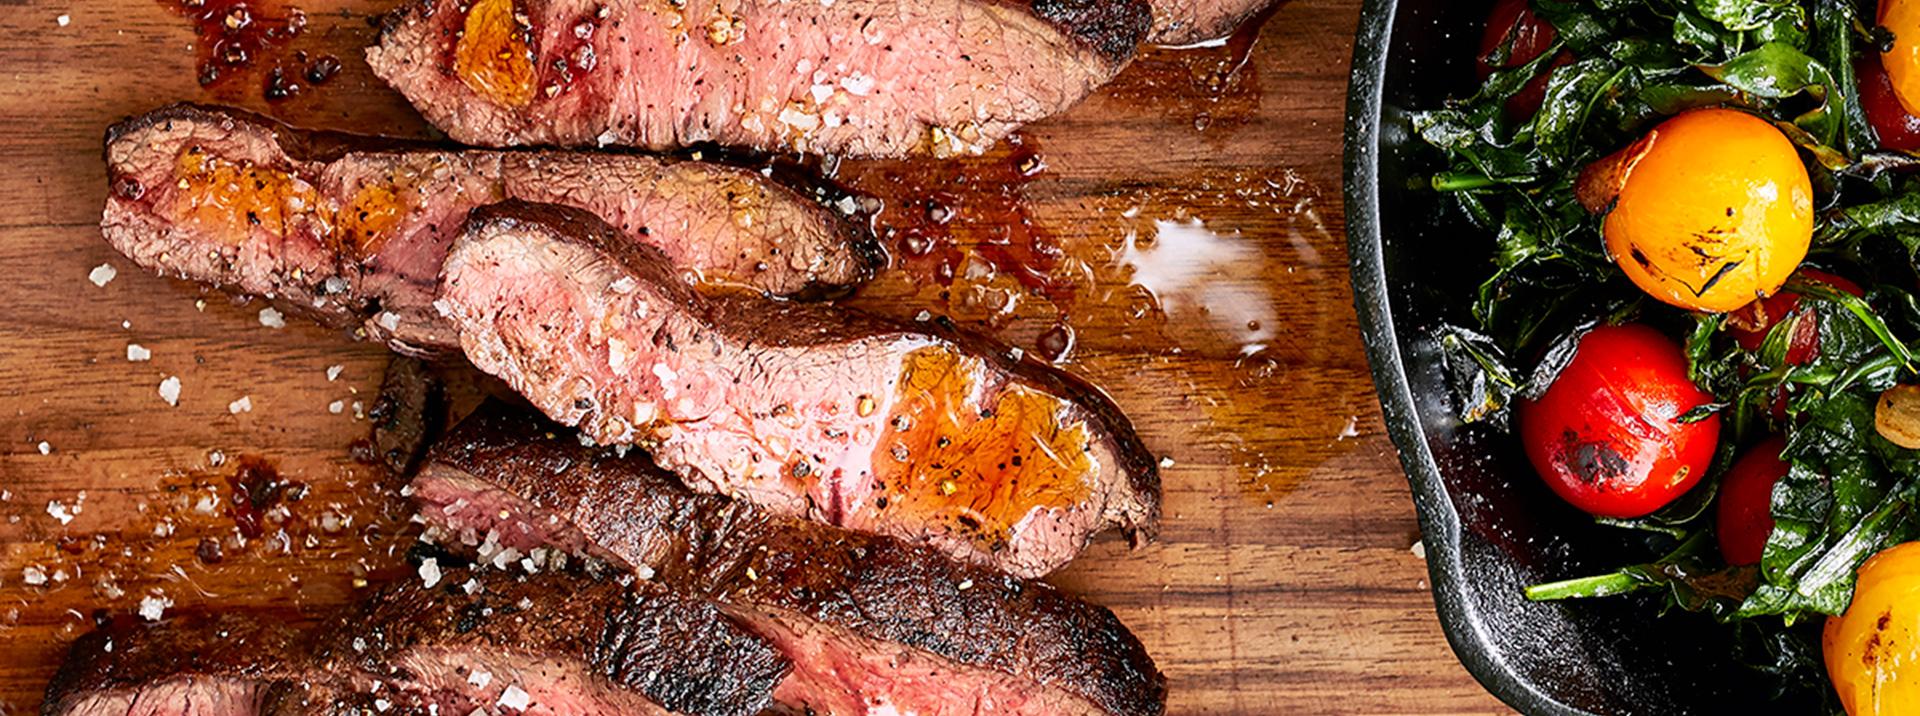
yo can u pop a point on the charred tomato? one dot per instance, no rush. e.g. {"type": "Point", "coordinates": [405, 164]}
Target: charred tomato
{"type": "Point", "coordinates": [1744, 514]}
{"type": "Point", "coordinates": [1607, 434]}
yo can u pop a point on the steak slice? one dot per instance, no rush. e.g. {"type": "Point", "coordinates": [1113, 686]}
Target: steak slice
{"type": "Point", "coordinates": [866, 78]}
{"type": "Point", "coordinates": [568, 643]}
{"type": "Point", "coordinates": [1185, 22]}
{"type": "Point", "coordinates": [212, 665]}
{"type": "Point", "coordinates": [352, 230]}
{"type": "Point", "coordinates": [870, 622]}
{"type": "Point", "coordinates": [557, 642]}
{"type": "Point", "coordinates": [901, 430]}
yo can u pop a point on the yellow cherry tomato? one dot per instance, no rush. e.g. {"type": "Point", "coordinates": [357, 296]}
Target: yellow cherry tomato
{"type": "Point", "coordinates": [1710, 211]}
{"type": "Point", "coordinates": [1873, 651]}
{"type": "Point", "coordinates": [1902, 18]}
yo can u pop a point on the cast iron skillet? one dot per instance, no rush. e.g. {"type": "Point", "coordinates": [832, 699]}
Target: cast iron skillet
{"type": "Point", "coordinates": [1490, 526]}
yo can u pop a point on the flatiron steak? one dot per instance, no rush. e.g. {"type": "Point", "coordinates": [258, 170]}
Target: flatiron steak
{"type": "Point", "coordinates": [904, 430]}
{"type": "Point", "coordinates": [870, 622]}
{"type": "Point", "coordinates": [866, 78]}
{"type": "Point", "coordinates": [352, 230]}
{"type": "Point", "coordinates": [557, 642]}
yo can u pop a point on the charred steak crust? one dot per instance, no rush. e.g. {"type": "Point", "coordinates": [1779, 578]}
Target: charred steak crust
{"type": "Point", "coordinates": [1125, 494]}
{"type": "Point", "coordinates": [763, 567]}
{"type": "Point", "coordinates": [125, 656]}
{"type": "Point", "coordinates": [681, 654]}
{"type": "Point", "coordinates": [1113, 28]}
{"type": "Point", "coordinates": [349, 229]}
{"type": "Point", "coordinates": [410, 410]}
{"type": "Point", "coordinates": [568, 640]}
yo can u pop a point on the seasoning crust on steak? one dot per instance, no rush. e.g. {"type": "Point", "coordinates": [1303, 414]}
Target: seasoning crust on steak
{"type": "Point", "coordinates": [908, 430]}
{"type": "Point", "coordinates": [867, 620]}
{"type": "Point", "coordinates": [352, 230]}
{"type": "Point", "coordinates": [863, 78]}
{"type": "Point", "coordinates": [553, 642]}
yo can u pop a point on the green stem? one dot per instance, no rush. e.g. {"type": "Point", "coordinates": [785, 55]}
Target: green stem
{"type": "Point", "coordinates": [1454, 181]}
{"type": "Point", "coordinates": [1605, 585]}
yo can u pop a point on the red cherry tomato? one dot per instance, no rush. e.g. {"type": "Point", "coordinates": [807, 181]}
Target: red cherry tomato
{"type": "Point", "coordinates": [1750, 324]}
{"type": "Point", "coordinates": [1897, 128]}
{"type": "Point", "coordinates": [1513, 20]}
{"type": "Point", "coordinates": [1606, 434]}
{"type": "Point", "coordinates": [1514, 27]}
{"type": "Point", "coordinates": [1745, 511]}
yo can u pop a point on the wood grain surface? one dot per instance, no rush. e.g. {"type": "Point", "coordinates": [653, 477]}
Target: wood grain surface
{"type": "Point", "coordinates": [1197, 204]}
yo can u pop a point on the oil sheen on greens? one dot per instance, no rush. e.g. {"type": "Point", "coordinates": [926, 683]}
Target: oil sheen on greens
{"type": "Point", "coordinates": [1849, 493]}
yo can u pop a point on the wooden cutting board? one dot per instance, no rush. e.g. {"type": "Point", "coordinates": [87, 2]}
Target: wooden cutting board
{"type": "Point", "coordinates": [1196, 206]}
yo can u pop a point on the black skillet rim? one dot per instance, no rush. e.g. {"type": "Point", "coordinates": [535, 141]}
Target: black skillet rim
{"type": "Point", "coordinates": [1439, 523]}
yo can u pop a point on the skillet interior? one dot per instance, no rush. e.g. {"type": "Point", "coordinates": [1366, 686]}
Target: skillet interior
{"type": "Point", "coordinates": [1490, 525]}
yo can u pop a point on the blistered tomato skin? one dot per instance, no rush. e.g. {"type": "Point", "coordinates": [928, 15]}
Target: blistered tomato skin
{"type": "Point", "coordinates": [1897, 128]}
{"type": "Point", "coordinates": [1744, 514]}
{"type": "Point", "coordinates": [1606, 435]}
{"type": "Point", "coordinates": [1710, 211]}
{"type": "Point", "coordinates": [1530, 36]}
{"type": "Point", "coordinates": [1902, 62]}
{"type": "Point", "coordinates": [1873, 650]}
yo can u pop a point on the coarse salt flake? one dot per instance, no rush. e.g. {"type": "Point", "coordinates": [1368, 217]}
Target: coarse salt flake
{"type": "Point", "coordinates": [103, 273]}
{"type": "Point", "coordinates": [137, 353]}
{"type": "Point", "coordinates": [63, 20]}
{"type": "Point", "coordinates": [515, 698]}
{"type": "Point", "coordinates": [798, 119]}
{"type": "Point", "coordinates": [170, 390]}
{"type": "Point", "coordinates": [59, 512]}
{"type": "Point", "coordinates": [480, 679]}
{"type": "Point", "coordinates": [243, 405]}
{"type": "Point", "coordinates": [857, 84]}
{"type": "Point", "coordinates": [333, 372]}
{"type": "Point", "coordinates": [153, 606]}
{"type": "Point", "coordinates": [336, 406]}
{"type": "Point", "coordinates": [33, 575]}
{"type": "Point", "coordinates": [389, 320]}
{"type": "Point", "coordinates": [430, 572]}
{"type": "Point", "coordinates": [272, 318]}
{"type": "Point", "coordinates": [45, 448]}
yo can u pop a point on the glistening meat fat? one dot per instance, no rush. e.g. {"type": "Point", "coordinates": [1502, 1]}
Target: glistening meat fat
{"type": "Point", "coordinates": [904, 430]}
{"type": "Point", "coordinates": [870, 622]}
{"type": "Point", "coordinates": [555, 642]}
{"type": "Point", "coordinates": [851, 77]}
{"type": "Point", "coordinates": [352, 230]}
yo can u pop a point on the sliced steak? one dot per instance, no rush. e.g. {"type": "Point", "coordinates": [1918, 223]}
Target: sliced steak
{"type": "Point", "coordinates": [353, 229]}
{"type": "Point", "coordinates": [557, 642]}
{"type": "Point", "coordinates": [871, 623]}
{"type": "Point", "coordinates": [909, 431]}
{"type": "Point", "coordinates": [209, 665]}
{"type": "Point", "coordinates": [1185, 22]}
{"type": "Point", "coordinates": [850, 77]}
